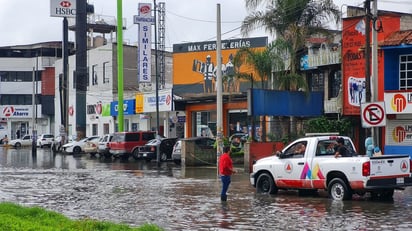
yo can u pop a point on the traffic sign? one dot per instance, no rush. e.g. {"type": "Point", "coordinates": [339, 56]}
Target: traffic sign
{"type": "Point", "coordinates": [373, 114]}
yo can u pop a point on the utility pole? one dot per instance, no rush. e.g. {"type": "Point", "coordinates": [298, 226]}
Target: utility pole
{"type": "Point", "coordinates": [368, 50]}
{"type": "Point", "coordinates": [81, 67]}
{"type": "Point", "coordinates": [219, 103]}
{"type": "Point", "coordinates": [375, 74]}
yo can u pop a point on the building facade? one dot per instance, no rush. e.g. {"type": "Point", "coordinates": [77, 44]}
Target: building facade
{"type": "Point", "coordinates": [27, 88]}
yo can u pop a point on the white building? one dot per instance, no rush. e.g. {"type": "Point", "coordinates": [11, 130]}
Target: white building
{"type": "Point", "coordinates": [27, 73]}
{"type": "Point", "coordinates": [102, 95]}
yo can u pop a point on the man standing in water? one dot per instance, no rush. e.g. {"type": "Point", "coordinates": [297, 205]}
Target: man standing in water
{"type": "Point", "coordinates": [225, 171]}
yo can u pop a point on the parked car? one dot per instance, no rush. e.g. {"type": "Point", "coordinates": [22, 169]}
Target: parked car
{"type": "Point", "coordinates": [125, 144]}
{"type": "Point", "coordinates": [149, 151]}
{"type": "Point", "coordinates": [200, 142]}
{"type": "Point", "coordinates": [91, 146]}
{"type": "Point", "coordinates": [58, 142]}
{"type": "Point", "coordinates": [45, 140]}
{"type": "Point", "coordinates": [103, 146]}
{"type": "Point", "coordinates": [77, 147]}
{"type": "Point", "coordinates": [26, 140]}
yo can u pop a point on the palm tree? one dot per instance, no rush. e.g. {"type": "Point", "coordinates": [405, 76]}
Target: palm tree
{"type": "Point", "coordinates": [292, 22]}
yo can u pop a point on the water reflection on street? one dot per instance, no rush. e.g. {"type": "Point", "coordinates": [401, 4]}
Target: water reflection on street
{"type": "Point", "coordinates": [135, 192]}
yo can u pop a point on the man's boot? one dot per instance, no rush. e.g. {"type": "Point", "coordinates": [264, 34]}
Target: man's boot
{"type": "Point", "coordinates": [223, 197]}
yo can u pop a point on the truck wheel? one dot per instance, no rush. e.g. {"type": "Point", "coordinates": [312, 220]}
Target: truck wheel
{"type": "Point", "coordinates": [338, 190]}
{"type": "Point", "coordinates": [135, 154]}
{"type": "Point", "coordinates": [266, 184]}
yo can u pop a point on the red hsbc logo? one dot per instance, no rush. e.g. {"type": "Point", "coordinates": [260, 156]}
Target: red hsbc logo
{"type": "Point", "coordinates": [65, 4]}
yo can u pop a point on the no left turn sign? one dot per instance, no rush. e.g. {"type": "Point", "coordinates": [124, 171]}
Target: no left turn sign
{"type": "Point", "coordinates": [373, 114]}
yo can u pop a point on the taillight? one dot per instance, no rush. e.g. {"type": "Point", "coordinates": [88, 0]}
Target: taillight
{"type": "Point", "coordinates": [366, 169]}
{"type": "Point", "coordinates": [152, 149]}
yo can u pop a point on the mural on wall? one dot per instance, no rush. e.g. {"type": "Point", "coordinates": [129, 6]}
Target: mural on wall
{"type": "Point", "coordinates": [195, 65]}
{"type": "Point", "coordinates": [353, 61]}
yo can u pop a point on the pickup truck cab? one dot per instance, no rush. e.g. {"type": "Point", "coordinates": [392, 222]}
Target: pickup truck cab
{"type": "Point", "coordinates": [317, 168]}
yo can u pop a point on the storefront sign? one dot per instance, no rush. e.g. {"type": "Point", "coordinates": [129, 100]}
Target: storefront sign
{"type": "Point", "coordinates": [398, 103]}
{"type": "Point", "coordinates": [128, 107]}
{"type": "Point", "coordinates": [16, 112]}
{"type": "Point", "coordinates": [147, 102]}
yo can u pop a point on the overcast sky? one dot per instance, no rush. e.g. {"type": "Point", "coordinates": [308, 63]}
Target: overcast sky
{"type": "Point", "coordinates": [26, 22]}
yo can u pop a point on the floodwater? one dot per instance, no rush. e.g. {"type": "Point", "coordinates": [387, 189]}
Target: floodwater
{"type": "Point", "coordinates": [136, 192]}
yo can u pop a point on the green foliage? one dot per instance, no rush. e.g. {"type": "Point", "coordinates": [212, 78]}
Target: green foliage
{"type": "Point", "coordinates": [323, 124]}
{"type": "Point", "coordinates": [17, 218]}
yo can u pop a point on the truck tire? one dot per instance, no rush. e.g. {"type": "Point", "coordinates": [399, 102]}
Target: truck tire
{"type": "Point", "coordinates": [266, 184]}
{"type": "Point", "coordinates": [339, 190]}
{"type": "Point", "coordinates": [135, 154]}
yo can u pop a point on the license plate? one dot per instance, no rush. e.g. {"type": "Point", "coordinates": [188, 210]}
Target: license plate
{"type": "Point", "coordinates": [400, 180]}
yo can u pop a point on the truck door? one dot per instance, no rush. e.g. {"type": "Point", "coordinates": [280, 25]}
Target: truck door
{"type": "Point", "coordinates": [294, 171]}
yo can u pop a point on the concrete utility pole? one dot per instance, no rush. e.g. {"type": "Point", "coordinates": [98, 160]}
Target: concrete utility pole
{"type": "Point", "coordinates": [219, 110]}
{"type": "Point", "coordinates": [368, 50]}
{"type": "Point", "coordinates": [375, 74]}
{"type": "Point", "coordinates": [81, 67]}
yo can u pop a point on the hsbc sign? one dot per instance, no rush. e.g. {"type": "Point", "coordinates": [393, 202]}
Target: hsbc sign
{"type": "Point", "coordinates": [63, 8]}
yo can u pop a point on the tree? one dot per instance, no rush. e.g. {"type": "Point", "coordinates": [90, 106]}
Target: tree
{"type": "Point", "coordinates": [291, 22]}
{"type": "Point", "coordinates": [260, 62]}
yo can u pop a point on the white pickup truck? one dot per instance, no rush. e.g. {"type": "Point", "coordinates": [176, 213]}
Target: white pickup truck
{"type": "Point", "coordinates": [318, 169]}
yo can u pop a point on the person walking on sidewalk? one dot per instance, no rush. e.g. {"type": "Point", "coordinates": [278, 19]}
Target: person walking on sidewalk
{"type": "Point", "coordinates": [225, 171]}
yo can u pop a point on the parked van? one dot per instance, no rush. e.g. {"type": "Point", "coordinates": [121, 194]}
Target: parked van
{"type": "Point", "coordinates": [125, 144]}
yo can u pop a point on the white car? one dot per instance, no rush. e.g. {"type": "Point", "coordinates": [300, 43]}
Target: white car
{"type": "Point", "coordinates": [77, 147]}
{"type": "Point", "coordinates": [103, 146]}
{"type": "Point", "coordinates": [45, 140]}
{"type": "Point", "coordinates": [26, 140]}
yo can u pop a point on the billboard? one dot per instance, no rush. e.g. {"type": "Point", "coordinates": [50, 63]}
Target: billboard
{"type": "Point", "coordinates": [354, 65]}
{"type": "Point", "coordinates": [195, 65]}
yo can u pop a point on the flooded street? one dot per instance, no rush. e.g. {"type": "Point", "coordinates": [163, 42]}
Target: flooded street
{"type": "Point", "coordinates": [135, 192]}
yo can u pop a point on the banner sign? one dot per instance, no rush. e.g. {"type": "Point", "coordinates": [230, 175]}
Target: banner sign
{"type": "Point", "coordinates": [398, 103]}
{"type": "Point", "coordinates": [145, 20]}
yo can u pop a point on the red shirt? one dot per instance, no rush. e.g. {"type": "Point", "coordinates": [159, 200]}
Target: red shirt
{"type": "Point", "coordinates": [225, 165]}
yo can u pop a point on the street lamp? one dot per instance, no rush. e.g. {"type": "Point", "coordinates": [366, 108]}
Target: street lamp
{"type": "Point", "coordinates": [34, 106]}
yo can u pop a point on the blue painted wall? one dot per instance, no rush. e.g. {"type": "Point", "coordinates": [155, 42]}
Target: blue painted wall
{"type": "Point", "coordinates": [285, 103]}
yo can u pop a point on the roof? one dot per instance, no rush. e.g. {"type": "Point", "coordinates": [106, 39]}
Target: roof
{"type": "Point", "coordinates": [398, 38]}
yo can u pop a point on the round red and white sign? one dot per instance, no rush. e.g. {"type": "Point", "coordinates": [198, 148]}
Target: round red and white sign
{"type": "Point", "coordinates": [8, 111]}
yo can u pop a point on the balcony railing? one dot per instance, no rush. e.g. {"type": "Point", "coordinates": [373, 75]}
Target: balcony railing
{"type": "Point", "coordinates": [323, 56]}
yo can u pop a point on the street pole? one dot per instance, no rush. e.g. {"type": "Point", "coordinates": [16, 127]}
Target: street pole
{"type": "Point", "coordinates": [375, 73]}
{"type": "Point", "coordinates": [157, 87]}
{"type": "Point", "coordinates": [219, 110]}
{"type": "Point", "coordinates": [33, 129]}
{"type": "Point", "coordinates": [120, 115]}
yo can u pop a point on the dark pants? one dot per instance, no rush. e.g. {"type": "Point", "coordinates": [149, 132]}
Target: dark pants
{"type": "Point", "coordinates": [225, 185]}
